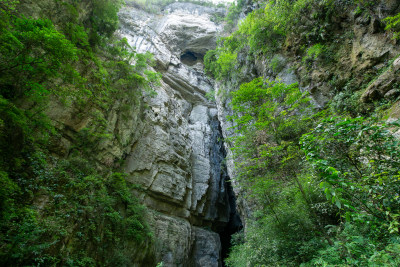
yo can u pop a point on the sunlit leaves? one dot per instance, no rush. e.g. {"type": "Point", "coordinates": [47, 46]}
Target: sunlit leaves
{"type": "Point", "coordinates": [392, 24]}
{"type": "Point", "coordinates": [32, 51]}
{"type": "Point", "coordinates": [358, 160]}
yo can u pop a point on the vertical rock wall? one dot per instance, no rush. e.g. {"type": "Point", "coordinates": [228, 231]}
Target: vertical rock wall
{"type": "Point", "coordinates": [177, 156]}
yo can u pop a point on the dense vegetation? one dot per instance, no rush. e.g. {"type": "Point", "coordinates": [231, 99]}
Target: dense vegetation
{"type": "Point", "coordinates": [323, 184]}
{"type": "Point", "coordinates": [60, 209]}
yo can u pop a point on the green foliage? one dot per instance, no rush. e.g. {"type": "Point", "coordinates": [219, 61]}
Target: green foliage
{"type": "Point", "coordinates": [82, 207]}
{"type": "Point", "coordinates": [357, 160]}
{"type": "Point", "coordinates": [269, 106]}
{"type": "Point", "coordinates": [347, 102]}
{"type": "Point", "coordinates": [8, 5]}
{"type": "Point", "coordinates": [269, 118]}
{"type": "Point", "coordinates": [221, 62]}
{"type": "Point", "coordinates": [286, 237]}
{"type": "Point", "coordinates": [265, 28]}
{"type": "Point", "coordinates": [105, 17]}
{"type": "Point", "coordinates": [66, 211]}
{"type": "Point", "coordinates": [38, 60]}
{"type": "Point", "coordinates": [354, 247]}
{"type": "Point", "coordinates": [277, 64]}
{"type": "Point", "coordinates": [392, 23]}
{"type": "Point", "coordinates": [31, 51]}
{"type": "Point", "coordinates": [261, 32]}
{"type": "Point", "coordinates": [48, 204]}
{"type": "Point", "coordinates": [323, 189]}
{"type": "Point", "coordinates": [268, 122]}
{"type": "Point", "coordinates": [211, 96]}
{"type": "Point", "coordinates": [233, 15]}
{"type": "Point", "coordinates": [314, 52]}
{"type": "Point", "coordinates": [223, 65]}
{"type": "Point", "coordinates": [351, 162]}
{"type": "Point", "coordinates": [273, 26]}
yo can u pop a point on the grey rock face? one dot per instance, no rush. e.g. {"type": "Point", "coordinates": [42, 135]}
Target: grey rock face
{"type": "Point", "coordinates": [206, 249]}
{"type": "Point", "coordinates": [174, 239]}
{"type": "Point", "coordinates": [187, 30]}
{"type": "Point", "coordinates": [381, 87]}
{"type": "Point", "coordinates": [176, 156]}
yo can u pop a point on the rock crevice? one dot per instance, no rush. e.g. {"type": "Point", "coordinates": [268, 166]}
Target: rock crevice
{"type": "Point", "coordinates": [179, 157]}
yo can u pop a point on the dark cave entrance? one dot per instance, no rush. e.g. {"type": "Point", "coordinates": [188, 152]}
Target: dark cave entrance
{"type": "Point", "coordinates": [191, 58]}
{"type": "Point", "coordinates": [233, 226]}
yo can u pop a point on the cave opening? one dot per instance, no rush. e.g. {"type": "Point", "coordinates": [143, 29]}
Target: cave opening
{"type": "Point", "coordinates": [191, 58]}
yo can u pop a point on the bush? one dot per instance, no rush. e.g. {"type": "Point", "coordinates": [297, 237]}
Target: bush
{"type": "Point", "coordinates": [392, 23]}
{"type": "Point", "coordinates": [314, 52]}
{"type": "Point", "coordinates": [357, 160]}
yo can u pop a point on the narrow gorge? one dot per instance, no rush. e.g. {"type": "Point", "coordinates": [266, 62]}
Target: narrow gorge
{"type": "Point", "coordinates": [199, 133]}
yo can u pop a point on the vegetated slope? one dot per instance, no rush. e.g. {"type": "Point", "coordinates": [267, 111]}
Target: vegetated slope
{"type": "Point", "coordinates": [310, 88]}
{"type": "Point", "coordinates": [62, 74]}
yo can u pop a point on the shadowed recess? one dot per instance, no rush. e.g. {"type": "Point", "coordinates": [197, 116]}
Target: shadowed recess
{"type": "Point", "coordinates": [191, 58]}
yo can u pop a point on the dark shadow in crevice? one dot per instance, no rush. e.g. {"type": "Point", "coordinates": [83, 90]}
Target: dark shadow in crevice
{"type": "Point", "coordinates": [234, 223]}
{"type": "Point", "coordinates": [226, 219]}
{"type": "Point", "coordinates": [233, 226]}
{"type": "Point", "coordinates": [191, 58]}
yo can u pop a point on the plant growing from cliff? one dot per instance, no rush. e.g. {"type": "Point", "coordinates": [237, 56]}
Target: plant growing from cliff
{"type": "Point", "coordinates": [269, 119]}
{"type": "Point", "coordinates": [277, 64]}
{"type": "Point", "coordinates": [220, 62]}
{"type": "Point", "coordinates": [31, 52]}
{"type": "Point", "coordinates": [8, 5]}
{"type": "Point", "coordinates": [104, 19]}
{"type": "Point", "coordinates": [340, 192]}
{"type": "Point", "coordinates": [270, 107]}
{"type": "Point", "coordinates": [261, 32]}
{"type": "Point", "coordinates": [232, 18]}
{"type": "Point", "coordinates": [265, 28]}
{"type": "Point", "coordinates": [211, 96]}
{"type": "Point", "coordinates": [314, 52]}
{"type": "Point", "coordinates": [355, 162]}
{"type": "Point", "coordinates": [84, 207]}
{"type": "Point", "coordinates": [392, 23]}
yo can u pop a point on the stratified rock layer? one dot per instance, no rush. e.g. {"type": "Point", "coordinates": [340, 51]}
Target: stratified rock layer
{"type": "Point", "coordinates": [175, 157]}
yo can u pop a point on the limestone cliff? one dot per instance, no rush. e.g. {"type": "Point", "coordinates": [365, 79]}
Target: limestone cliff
{"type": "Point", "coordinates": [177, 156]}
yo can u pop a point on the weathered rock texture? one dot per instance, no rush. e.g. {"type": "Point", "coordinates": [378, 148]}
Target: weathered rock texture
{"type": "Point", "coordinates": [176, 153]}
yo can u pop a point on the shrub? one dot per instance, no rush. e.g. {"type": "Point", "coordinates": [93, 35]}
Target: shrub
{"type": "Point", "coordinates": [314, 52]}
{"type": "Point", "coordinates": [392, 23]}
{"type": "Point", "coordinates": [357, 160]}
